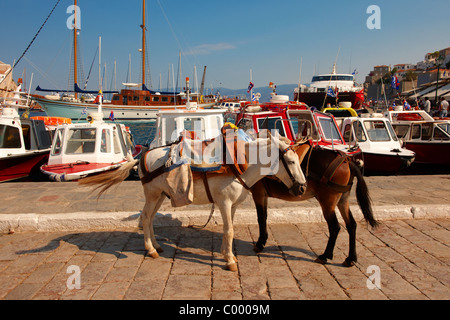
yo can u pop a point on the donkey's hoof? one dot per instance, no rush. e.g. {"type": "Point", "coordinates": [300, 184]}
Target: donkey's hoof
{"type": "Point", "coordinates": [232, 267]}
{"type": "Point", "coordinates": [348, 263]}
{"type": "Point", "coordinates": [321, 260]}
{"type": "Point", "coordinates": [258, 248]}
{"type": "Point", "coordinates": [153, 254]}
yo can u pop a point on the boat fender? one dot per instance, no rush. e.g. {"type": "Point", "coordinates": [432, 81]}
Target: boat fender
{"type": "Point", "coordinates": [58, 177]}
{"type": "Point", "coordinates": [359, 163]}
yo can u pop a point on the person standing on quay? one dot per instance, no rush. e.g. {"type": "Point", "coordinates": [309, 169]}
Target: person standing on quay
{"type": "Point", "coordinates": [427, 105]}
{"type": "Point", "coordinates": [443, 108]}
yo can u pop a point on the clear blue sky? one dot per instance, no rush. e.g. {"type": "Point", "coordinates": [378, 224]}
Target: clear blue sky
{"type": "Point", "coordinates": [230, 37]}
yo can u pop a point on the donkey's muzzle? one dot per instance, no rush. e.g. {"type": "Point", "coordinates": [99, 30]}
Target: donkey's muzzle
{"type": "Point", "coordinates": [297, 189]}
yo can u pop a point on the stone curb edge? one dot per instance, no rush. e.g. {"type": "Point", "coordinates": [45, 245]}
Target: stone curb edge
{"type": "Point", "coordinates": [91, 221]}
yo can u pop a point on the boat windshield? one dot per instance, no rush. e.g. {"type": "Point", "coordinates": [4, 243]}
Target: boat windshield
{"type": "Point", "coordinates": [440, 134]}
{"type": "Point", "coordinates": [9, 137]}
{"type": "Point", "coordinates": [301, 127]}
{"type": "Point", "coordinates": [445, 126]}
{"type": "Point", "coordinates": [271, 124]}
{"type": "Point", "coordinates": [377, 131]}
{"type": "Point", "coordinates": [81, 141]}
{"type": "Point", "coordinates": [58, 142]}
{"type": "Point", "coordinates": [329, 129]}
{"type": "Point", "coordinates": [332, 78]}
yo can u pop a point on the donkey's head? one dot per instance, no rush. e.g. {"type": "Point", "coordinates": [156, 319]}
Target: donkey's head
{"type": "Point", "coordinates": [286, 166]}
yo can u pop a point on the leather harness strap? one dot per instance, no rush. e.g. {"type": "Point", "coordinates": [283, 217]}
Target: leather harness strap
{"type": "Point", "coordinates": [329, 173]}
{"type": "Point", "coordinates": [208, 190]}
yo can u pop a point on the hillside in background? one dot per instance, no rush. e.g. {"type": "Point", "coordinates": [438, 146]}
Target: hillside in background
{"type": "Point", "coordinates": [285, 89]}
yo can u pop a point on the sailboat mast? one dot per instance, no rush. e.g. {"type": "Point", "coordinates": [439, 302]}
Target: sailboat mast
{"type": "Point", "coordinates": [143, 43]}
{"type": "Point", "coordinates": [75, 49]}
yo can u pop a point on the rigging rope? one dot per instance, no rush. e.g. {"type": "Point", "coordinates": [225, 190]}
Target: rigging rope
{"type": "Point", "coordinates": [34, 38]}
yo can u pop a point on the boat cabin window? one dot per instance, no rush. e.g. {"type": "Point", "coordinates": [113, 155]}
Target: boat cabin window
{"type": "Point", "coordinates": [245, 124]}
{"type": "Point", "coordinates": [391, 131]}
{"type": "Point", "coordinates": [195, 125]}
{"type": "Point", "coordinates": [332, 78]}
{"type": "Point", "coordinates": [81, 141]}
{"type": "Point", "coordinates": [377, 131]}
{"type": "Point", "coordinates": [155, 99]}
{"type": "Point", "coordinates": [329, 129]}
{"type": "Point", "coordinates": [230, 117]}
{"type": "Point", "coordinates": [58, 144]}
{"type": "Point", "coordinates": [116, 98]}
{"type": "Point", "coordinates": [347, 133]}
{"type": "Point", "coordinates": [117, 145]}
{"type": "Point", "coordinates": [165, 99]}
{"type": "Point", "coordinates": [358, 130]}
{"type": "Point", "coordinates": [271, 124]}
{"type": "Point", "coordinates": [9, 137]}
{"type": "Point", "coordinates": [440, 134]}
{"type": "Point", "coordinates": [427, 131]}
{"type": "Point", "coordinates": [105, 146]}
{"type": "Point", "coordinates": [445, 127]}
{"type": "Point", "coordinates": [401, 130]}
{"type": "Point", "coordinates": [26, 129]}
{"type": "Point", "coordinates": [416, 131]}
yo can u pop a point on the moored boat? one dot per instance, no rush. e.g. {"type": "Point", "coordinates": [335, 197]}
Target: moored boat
{"type": "Point", "coordinates": [83, 149]}
{"type": "Point", "coordinates": [24, 144]}
{"type": "Point", "coordinates": [292, 120]}
{"type": "Point", "coordinates": [203, 124]}
{"type": "Point", "coordinates": [427, 137]}
{"type": "Point", "coordinates": [382, 151]}
{"type": "Point", "coordinates": [330, 89]}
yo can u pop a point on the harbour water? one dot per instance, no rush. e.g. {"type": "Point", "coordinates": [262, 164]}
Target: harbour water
{"type": "Point", "coordinates": [143, 131]}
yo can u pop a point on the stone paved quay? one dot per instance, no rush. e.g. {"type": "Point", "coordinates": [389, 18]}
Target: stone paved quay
{"type": "Point", "coordinates": [412, 257]}
{"type": "Point", "coordinates": [58, 228]}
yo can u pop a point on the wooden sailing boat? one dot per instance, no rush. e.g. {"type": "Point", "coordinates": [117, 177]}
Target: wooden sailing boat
{"type": "Point", "coordinates": [128, 104]}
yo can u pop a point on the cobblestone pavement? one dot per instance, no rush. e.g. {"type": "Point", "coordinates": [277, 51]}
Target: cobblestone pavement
{"type": "Point", "coordinates": [410, 258]}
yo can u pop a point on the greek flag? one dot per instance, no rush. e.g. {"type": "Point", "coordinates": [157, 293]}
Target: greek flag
{"type": "Point", "coordinates": [395, 84]}
{"type": "Point", "coordinates": [331, 93]}
{"type": "Point", "coordinates": [250, 87]}
{"type": "Point", "coordinates": [253, 97]}
{"type": "Point", "coordinates": [406, 105]}
{"type": "Point", "coordinates": [85, 111]}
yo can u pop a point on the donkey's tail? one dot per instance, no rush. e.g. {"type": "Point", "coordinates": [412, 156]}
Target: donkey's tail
{"type": "Point", "coordinates": [106, 180]}
{"type": "Point", "coordinates": [362, 196]}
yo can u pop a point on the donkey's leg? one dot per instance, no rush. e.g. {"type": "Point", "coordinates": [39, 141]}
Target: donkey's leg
{"type": "Point", "coordinates": [260, 200]}
{"type": "Point", "coordinates": [351, 225]}
{"type": "Point", "coordinates": [152, 205]}
{"type": "Point", "coordinates": [333, 228]}
{"type": "Point", "coordinates": [152, 218]}
{"type": "Point", "coordinates": [228, 234]}
{"type": "Point", "coordinates": [328, 210]}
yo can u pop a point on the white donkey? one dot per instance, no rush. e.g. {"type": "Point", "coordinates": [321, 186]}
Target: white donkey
{"type": "Point", "coordinates": [225, 191]}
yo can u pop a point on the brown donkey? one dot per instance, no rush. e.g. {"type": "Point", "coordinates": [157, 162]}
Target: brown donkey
{"type": "Point", "coordinates": [330, 179]}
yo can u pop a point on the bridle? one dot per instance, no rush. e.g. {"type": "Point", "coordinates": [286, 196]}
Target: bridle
{"type": "Point", "coordinates": [284, 162]}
